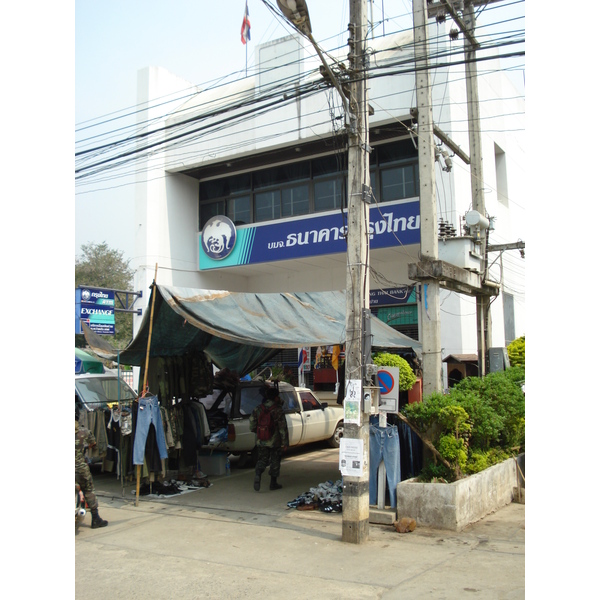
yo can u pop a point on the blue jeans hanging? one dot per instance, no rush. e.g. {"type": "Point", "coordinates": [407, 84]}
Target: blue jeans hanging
{"type": "Point", "coordinates": [148, 414]}
{"type": "Point", "coordinates": [384, 443]}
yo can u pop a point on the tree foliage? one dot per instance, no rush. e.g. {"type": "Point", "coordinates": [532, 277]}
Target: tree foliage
{"type": "Point", "coordinates": [516, 352]}
{"type": "Point", "coordinates": [103, 267]}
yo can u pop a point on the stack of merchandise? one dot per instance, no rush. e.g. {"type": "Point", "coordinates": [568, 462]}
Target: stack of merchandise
{"type": "Point", "coordinates": [326, 497]}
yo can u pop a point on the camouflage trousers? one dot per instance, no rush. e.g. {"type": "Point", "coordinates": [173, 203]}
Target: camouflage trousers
{"type": "Point", "coordinates": [268, 456]}
{"type": "Point", "coordinates": [84, 478]}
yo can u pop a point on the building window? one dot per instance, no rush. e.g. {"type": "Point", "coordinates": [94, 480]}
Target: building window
{"type": "Point", "coordinates": [398, 183]}
{"type": "Point", "coordinates": [267, 206]}
{"type": "Point", "coordinates": [309, 186]}
{"type": "Point", "coordinates": [295, 201]}
{"type": "Point", "coordinates": [328, 194]}
{"type": "Point", "coordinates": [239, 210]}
{"type": "Point", "coordinates": [210, 210]}
{"type": "Point", "coordinates": [501, 178]}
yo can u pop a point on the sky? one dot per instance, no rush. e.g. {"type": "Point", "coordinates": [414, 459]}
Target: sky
{"type": "Point", "coordinates": [198, 40]}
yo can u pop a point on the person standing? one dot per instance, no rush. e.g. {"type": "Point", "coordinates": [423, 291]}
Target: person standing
{"type": "Point", "coordinates": [83, 476]}
{"type": "Point", "coordinates": [268, 422]}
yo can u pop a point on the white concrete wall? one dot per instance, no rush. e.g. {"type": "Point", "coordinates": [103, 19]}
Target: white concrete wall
{"type": "Point", "coordinates": [167, 202]}
{"type": "Point", "coordinates": [455, 505]}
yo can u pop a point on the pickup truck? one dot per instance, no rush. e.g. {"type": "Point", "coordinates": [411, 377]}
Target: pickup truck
{"type": "Point", "coordinates": [308, 419]}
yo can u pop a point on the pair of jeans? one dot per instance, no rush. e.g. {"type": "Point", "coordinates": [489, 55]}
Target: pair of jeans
{"type": "Point", "coordinates": [384, 443]}
{"type": "Point", "coordinates": [148, 414]}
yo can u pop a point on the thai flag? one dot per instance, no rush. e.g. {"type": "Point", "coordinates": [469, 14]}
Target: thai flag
{"type": "Point", "coordinates": [246, 26]}
{"type": "Point", "coordinates": [302, 358]}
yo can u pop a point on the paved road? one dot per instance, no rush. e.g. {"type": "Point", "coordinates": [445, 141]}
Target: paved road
{"type": "Point", "coordinates": [228, 541]}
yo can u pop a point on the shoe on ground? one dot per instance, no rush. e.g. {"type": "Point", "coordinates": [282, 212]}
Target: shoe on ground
{"type": "Point", "coordinates": [98, 521]}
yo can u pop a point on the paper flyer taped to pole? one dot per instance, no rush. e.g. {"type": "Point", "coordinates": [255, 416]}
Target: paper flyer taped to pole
{"type": "Point", "coordinates": [352, 401]}
{"type": "Point", "coordinates": [351, 457]}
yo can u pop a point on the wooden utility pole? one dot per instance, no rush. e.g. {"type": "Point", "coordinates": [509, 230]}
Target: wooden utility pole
{"type": "Point", "coordinates": [430, 288]}
{"type": "Point", "coordinates": [355, 496]}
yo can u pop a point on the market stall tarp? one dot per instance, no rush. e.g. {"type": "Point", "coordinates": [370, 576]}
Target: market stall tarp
{"type": "Point", "coordinates": [86, 363]}
{"type": "Point", "coordinates": [241, 331]}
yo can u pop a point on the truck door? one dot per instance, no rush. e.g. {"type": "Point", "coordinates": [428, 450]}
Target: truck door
{"type": "Point", "coordinates": [315, 427]}
{"type": "Point", "coordinates": [291, 409]}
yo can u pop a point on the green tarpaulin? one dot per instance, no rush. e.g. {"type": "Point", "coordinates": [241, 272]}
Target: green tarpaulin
{"type": "Point", "coordinates": [86, 363]}
{"type": "Point", "coordinates": [240, 331]}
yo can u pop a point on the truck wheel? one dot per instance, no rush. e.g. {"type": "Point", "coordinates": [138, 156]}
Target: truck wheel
{"type": "Point", "coordinates": [334, 440]}
{"type": "Point", "coordinates": [248, 459]}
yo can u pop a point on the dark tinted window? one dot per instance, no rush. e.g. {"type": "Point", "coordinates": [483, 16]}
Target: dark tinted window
{"type": "Point", "coordinates": [219, 188]}
{"type": "Point", "coordinates": [309, 402]}
{"type": "Point", "coordinates": [282, 174]}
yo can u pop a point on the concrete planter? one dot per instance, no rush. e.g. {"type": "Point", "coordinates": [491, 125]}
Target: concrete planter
{"type": "Point", "coordinates": [455, 505]}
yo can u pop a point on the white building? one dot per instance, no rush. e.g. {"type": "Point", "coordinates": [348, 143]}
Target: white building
{"type": "Point", "coordinates": [269, 152]}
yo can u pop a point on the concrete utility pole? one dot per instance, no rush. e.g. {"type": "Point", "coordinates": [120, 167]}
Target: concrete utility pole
{"type": "Point", "coordinates": [430, 288]}
{"type": "Point", "coordinates": [475, 152]}
{"type": "Point", "coordinates": [355, 496]}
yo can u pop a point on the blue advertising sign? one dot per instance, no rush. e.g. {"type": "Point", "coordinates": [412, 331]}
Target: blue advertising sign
{"type": "Point", "coordinates": [316, 235]}
{"type": "Point", "coordinates": [96, 307]}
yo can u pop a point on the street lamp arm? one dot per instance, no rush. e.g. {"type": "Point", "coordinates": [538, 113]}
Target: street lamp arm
{"type": "Point", "coordinates": [296, 13]}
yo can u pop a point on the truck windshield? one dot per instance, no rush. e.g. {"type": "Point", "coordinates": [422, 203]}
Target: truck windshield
{"type": "Point", "coordinates": [97, 392]}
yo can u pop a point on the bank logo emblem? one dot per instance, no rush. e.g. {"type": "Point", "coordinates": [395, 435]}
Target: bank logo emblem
{"type": "Point", "coordinates": [86, 295]}
{"type": "Point", "coordinates": [218, 237]}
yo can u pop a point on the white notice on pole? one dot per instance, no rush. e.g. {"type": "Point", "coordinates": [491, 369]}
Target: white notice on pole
{"type": "Point", "coordinates": [351, 457]}
{"type": "Point", "coordinates": [352, 401]}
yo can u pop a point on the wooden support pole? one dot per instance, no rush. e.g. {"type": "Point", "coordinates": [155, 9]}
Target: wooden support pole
{"type": "Point", "coordinates": [138, 469]}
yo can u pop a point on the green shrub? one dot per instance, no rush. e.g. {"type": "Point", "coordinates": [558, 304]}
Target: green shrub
{"type": "Point", "coordinates": [516, 352]}
{"type": "Point", "coordinates": [476, 462]}
{"type": "Point", "coordinates": [424, 414]}
{"type": "Point", "coordinates": [453, 450]}
{"type": "Point", "coordinates": [436, 473]}
{"type": "Point", "coordinates": [406, 377]}
{"type": "Point", "coordinates": [478, 423]}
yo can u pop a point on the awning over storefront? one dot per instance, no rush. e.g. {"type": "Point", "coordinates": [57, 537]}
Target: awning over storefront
{"type": "Point", "coordinates": [86, 363]}
{"type": "Point", "coordinates": [240, 331]}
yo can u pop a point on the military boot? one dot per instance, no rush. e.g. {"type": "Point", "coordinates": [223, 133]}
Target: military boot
{"type": "Point", "coordinates": [97, 520]}
{"type": "Point", "coordinates": [274, 485]}
{"type": "Point", "coordinates": [257, 481]}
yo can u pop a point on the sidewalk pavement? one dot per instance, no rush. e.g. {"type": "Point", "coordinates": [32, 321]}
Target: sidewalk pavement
{"type": "Point", "coordinates": [228, 541]}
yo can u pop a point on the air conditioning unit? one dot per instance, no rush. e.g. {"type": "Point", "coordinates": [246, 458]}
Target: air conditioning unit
{"type": "Point", "coordinates": [499, 360]}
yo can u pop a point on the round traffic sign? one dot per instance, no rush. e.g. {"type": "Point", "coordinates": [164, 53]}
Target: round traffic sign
{"type": "Point", "coordinates": [386, 382]}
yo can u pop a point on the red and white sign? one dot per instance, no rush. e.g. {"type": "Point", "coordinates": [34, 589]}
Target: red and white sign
{"type": "Point", "coordinates": [387, 377]}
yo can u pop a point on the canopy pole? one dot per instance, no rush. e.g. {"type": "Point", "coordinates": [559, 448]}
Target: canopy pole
{"type": "Point", "coordinates": [138, 469]}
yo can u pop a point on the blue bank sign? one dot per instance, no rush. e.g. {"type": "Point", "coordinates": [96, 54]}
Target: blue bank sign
{"type": "Point", "coordinates": [96, 307]}
{"type": "Point", "coordinates": [389, 225]}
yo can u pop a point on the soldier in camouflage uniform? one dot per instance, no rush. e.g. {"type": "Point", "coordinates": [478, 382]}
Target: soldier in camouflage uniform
{"type": "Point", "coordinates": [269, 451]}
{"type": "Point", "coordinates": [83, 476]}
